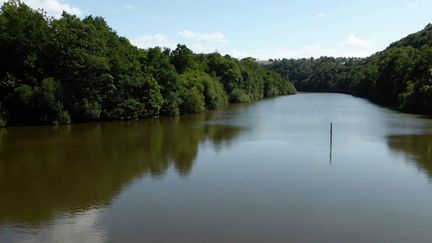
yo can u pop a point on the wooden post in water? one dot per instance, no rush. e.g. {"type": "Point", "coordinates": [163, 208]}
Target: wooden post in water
{"type": "Point", "coordinates": [331, 141]}
{"type": "Point", "coordinates": [331, 133]}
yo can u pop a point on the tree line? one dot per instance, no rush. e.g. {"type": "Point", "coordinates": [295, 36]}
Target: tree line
{"type": "Point", "coordinates": [57, 71]}
{"type": "Point", "coordinates": [399, 77]}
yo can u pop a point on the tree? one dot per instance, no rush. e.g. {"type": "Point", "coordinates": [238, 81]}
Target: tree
{"type": "Point", "coordinates": [24, 39]}
{"type": "Point", "coordinates": [70, 69]}
{"type": "Point", "coordinates": [399, 77]}
{"type": "Point", "coordinates": [182, 58]}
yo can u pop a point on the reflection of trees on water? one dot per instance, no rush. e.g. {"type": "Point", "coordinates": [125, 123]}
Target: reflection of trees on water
{"type": "Point", "coordinates": [417, 147]}
{"type": "Point", "coordinates": [45, 170]}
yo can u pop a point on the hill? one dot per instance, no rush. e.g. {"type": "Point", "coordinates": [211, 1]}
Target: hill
{"type": "Point", "coordinates": [399, 76]}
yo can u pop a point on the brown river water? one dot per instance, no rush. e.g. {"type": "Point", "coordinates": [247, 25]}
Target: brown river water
{"type": "Point", "coordinates": [256, 172]}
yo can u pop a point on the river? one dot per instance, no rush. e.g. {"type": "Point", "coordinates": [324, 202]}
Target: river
{"type": "Point", "coordinates": [259, 172]}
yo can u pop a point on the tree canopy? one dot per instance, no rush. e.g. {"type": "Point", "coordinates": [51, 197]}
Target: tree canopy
{"type": "Point", "coordinates": [72, 70]}
{"type": "Point", "coordinates": [399, 77]}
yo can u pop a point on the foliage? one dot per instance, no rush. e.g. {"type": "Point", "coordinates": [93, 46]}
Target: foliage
{"type": "Point", "coordinates": [39, 104]}
{"type": "Point", "coordinates": [399, 77]}
{"type": "Point", "coordinates": [209, 90]}
{"type": "Point", "coordinates": [129, 109]}
{"type": "Point", "coordinates": [71, 70]}
{"type": "Point", "coordinates": [2, 117]}
{"type": "Point", "coordinates": [239, 96]}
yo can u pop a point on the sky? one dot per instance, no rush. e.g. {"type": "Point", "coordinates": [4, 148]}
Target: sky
{"type": "Point", "coordinates": [260, 29]}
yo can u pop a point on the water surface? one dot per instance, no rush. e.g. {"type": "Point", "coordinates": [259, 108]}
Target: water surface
{"type": "Point", "coordinates": [249, 173]}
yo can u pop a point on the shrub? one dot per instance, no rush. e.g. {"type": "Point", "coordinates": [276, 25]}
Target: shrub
{"type": "Point", "coordinates": [192, 101]}
{"type": "Point", "coordinates": [239, 96]}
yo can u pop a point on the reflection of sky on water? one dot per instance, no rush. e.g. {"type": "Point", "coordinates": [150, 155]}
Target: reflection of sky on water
{"type": "Point", "coordinates": [81, 227]}
{"type": "Point", "coordinates": [244, 172]}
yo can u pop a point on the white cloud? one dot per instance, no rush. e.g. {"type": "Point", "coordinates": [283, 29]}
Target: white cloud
{"type": "Point", "coordinates": [147, 41]}
{"type": "Point", "coordinates": [215, 37]}
{"type": "Point", "coordinates": [198, 42]}
{"type": "Point", "coordinates": [411, 4]}
{"type": "Point", "coordinates": [358, 42]}
{"type": "Point", "coordinates": [129, 7]}
{"type": "Point", "coordinates": [302, 52]}
{"type": "Point", "coordinates": [353, 46]}
{"type": "Point", "coordinates": [321, 15]}
{"type": "Point", "coordinates": [115, 12]}
{"type": "Point", "coordinates": [53, 7]}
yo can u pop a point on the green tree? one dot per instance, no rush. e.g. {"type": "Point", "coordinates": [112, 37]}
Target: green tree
{"type": "Point", "coordinates": [24, 39]}
{"type": "Point", "coordinates": [182, 58]}
{"type": "Point", "coordinates": [71, 69]}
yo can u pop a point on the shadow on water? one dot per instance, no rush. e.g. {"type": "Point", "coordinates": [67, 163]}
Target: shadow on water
{"type": "Point", "coordinates": [45, 171]}
{"type": "Point", "coordinates": [418, 148]}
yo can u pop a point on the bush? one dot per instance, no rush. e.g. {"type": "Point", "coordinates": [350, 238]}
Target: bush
{"type": "Point", "coordinates": [151, 97]}
{"type": "Point", "coordinates": [406, 99]}
{"type": "Point", "coordinates": [19, 105]}
{"type": "Point", "coordinates": [192, 101]}
{"type": "Point", "coordinates": [239, 96]}
{"type": "Point", "coordinates": [91, 110]}
{"type": "Point", "coordinates": [170, 106]}
{"type": "Point", "coordinates": [130, 109]}
{"type": "Point", "coordinates": [214, 94]}
{"type": "Point", "coordinates": [2, 117]}
{"type": "Point", "coordinates": [206, 91]}
{"type": "Point", "coordinates": [64, 117]}
{"type": "Point", "coordinates": [45, 99]}
{"type": "Point", "coordinates": [40, 104]}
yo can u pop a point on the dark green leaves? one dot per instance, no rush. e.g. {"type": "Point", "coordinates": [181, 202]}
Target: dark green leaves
{"type": "Point", "coordinates": [71, 69]}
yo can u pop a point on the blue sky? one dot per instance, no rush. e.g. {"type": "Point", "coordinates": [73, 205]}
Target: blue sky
{"type": "Point", "coordinates": [262, 29]}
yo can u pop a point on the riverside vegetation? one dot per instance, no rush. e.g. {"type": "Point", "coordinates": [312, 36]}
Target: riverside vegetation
{"type": "Point", "coordinates": [398, 77]}
{"type": "Point", "coordinates": [74, 70]}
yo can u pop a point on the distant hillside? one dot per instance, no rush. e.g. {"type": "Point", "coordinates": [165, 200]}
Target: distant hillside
{"type": "Point", "coordinates": [399, 77]}
{"type": "Point", "coordinates": [416, 40]}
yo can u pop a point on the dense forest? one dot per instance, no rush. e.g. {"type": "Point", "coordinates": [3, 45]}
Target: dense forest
{"type": "Point", "coordinates": [398, 77]}
{"type": "Point", "coordinates": [57, 71]}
